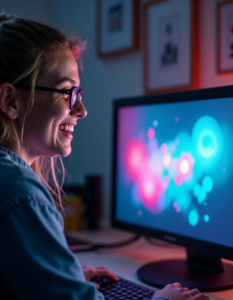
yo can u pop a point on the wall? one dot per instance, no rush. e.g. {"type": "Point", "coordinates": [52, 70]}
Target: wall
{"type": "Point", "coordinates": [120, 77]}
{"type": "Point", "coordinates": [40, 10]}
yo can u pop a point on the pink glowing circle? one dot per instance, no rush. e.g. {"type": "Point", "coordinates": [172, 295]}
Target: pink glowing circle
{"type": "Point", "coordinates": [166, 179]}
{"type": "Point", "coordinates": [135, 156]}
{"type": "Point", "coordinates": [184, 166]}
{"type": "Point", "coordinates": [177, 119]}
{"type": "Point", "coordinates": [178, 180]}
{"type": "Point", "coordinates": [150, 187]}
{"type": "Point", "coordinates": [163, 148]}
{"type": "Point", "coordinates": [167, 160]}
{"type": "Point", "coordinates": [151, 133]}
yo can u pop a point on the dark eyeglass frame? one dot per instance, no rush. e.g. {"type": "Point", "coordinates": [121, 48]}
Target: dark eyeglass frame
{"type": "Point", "coordinates": [73, 92]}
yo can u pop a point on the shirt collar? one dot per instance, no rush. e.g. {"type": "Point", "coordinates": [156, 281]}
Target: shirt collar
{"type": "Point", "coordinates": [15, 157]}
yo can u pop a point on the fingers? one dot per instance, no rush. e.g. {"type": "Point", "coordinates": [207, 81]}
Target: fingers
{"type": "Point", "coordinates": [200, 297]}
{"type": "Point", "coordinates": [194, 292]}
{"type": "Point", "coordinates": [104, 272]}
{"type": "Point", "coordinates": [176, 284]}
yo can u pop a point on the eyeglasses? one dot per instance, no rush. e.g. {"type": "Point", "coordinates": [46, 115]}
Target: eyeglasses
{"type": "Point", "coordinates": [75, 93]}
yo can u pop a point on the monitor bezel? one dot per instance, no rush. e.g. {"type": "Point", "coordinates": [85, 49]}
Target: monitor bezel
{"type": "Point", "coordinates": [184, 241]}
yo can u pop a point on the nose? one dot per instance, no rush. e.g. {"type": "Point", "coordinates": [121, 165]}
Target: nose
{"type": "Point", "coordinates": [79, 111]}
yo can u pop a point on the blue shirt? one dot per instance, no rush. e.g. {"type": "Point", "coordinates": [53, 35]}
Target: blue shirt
{"type": "Point", "coordinates": [35, 262]}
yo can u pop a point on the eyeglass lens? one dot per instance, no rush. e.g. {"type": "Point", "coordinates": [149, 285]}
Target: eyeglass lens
{"type": "Point", "coordinates": [77, 95]}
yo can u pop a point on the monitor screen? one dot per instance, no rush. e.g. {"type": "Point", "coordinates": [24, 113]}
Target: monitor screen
{"type": "Point", "coordinates": [173, 180]}
{"type": "Point", "coordinates": [174, 168]}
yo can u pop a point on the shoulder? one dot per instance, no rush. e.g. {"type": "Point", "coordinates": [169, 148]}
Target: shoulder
{"type": "Point", "coordinates": [18, 182]}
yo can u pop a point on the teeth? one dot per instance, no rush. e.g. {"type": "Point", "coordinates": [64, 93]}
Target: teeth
{"type": "Point", "coordinates": [67, 128]}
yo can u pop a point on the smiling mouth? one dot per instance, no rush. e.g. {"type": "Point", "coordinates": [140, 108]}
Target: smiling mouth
{"type": "Point", "coordinates": [66, 128]}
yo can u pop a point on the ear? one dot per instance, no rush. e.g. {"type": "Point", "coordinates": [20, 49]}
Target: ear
{"type": "Point", "coordinates": [8, 104]}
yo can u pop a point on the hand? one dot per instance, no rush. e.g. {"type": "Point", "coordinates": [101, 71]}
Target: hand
{"type": "Point", "coordinates": [176, 292]}
{"type": "Point", "coordinates": [93, 272]}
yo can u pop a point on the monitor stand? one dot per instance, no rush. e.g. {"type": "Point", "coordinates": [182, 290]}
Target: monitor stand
{"type": "Point", "coordinates": [205, 272]}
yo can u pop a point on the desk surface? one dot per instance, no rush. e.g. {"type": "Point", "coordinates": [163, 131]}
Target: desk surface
{"type": "Point", "coordinates": [124, 261]}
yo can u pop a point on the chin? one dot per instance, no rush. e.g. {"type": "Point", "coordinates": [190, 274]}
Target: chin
{"type": "Point", "coordinates": [65, 152]}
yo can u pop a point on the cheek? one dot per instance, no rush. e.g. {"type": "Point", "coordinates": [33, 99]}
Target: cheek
{"type": "Point", "coordinates": [46, 116]}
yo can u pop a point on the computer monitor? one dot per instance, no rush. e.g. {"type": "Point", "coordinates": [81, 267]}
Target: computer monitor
{"type": "Point", "coordinates": [173, 180]}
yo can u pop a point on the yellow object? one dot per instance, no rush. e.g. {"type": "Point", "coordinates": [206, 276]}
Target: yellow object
{"type": "Point", "coordinates": [73, 212]}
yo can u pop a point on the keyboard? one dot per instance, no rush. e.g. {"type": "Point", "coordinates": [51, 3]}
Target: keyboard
{"type": "Point", "coordinates": [123, 290]}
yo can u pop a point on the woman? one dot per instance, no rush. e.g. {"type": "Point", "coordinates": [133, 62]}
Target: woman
{"type": "Point", "coordinates": [40, 103]}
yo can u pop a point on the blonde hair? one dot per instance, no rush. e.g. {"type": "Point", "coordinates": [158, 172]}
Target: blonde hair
{"type": "Point", "coordinates": [26, 48]}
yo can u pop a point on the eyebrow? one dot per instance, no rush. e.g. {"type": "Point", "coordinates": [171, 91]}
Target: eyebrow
{"type": "Point", "coordinates": [64, 79]}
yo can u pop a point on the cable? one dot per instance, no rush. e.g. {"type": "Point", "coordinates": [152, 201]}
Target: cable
{"type": "Point", "coordinates": [123, 243]}
{"type": "Point", "coordinates": [159, 244]}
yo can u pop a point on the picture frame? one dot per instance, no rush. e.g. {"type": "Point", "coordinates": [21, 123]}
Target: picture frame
{"type": "Point", "coordinates": [117, 27]}
{"type": "Point", "coordinates": [171, 54]}
{"type": "Point", "coordinates": [225, 37]}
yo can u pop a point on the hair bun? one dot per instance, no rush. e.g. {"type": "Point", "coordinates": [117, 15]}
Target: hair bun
{"type": "Point", "coordinates": [4, 17]}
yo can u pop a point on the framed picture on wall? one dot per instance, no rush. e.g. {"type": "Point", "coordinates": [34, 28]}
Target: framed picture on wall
{"type": "Point", "coordinates": [225, 37]}
{"type": "Point", "coordinates": [118, 27]}
{"type": "Point", "coordinates": [171, 45]}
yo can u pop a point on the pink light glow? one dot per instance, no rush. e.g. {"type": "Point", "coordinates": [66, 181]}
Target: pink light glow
{"type": "Point", "coordinates": [163, 148]}
{"type": "Point", "coordinates": [166, 179]}
{"type": "Point", "coordinates": [177, 119]}
{"type": "Point", "coordinates": [151, 133]}
{"type": "Point", "coordinates": [178, 180]}
{"type": "Point", "coordinates": [150, 187]}
{"type": "Point", "coordinates": [135, 156]}
{"type": "Point", "coordinates": [167, 160]}
{"type": "Point", "coordinates": [185, 165]}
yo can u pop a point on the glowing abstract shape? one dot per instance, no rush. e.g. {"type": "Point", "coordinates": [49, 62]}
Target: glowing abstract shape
{"type": "Point", "coordinates": [176, 207]}
{"type": "Point", "coordinates": [177, 119]}
{"type": "Point", "coordinates": [166, 179]}
{"type": "Point", "coordinates": [205, 204]}
{"type": "Point", "coordinates": [207, 143]}
{"type": "Point", "coordinates": [207, 184]}
{"type": "Point", "coordinates": [197, 190]}
{"type": "Point", "coordinates": [163, 148]}
{"type": "Point", "coordinates": [150, 187]}
{"type": "Point", "coordinates": [184, 200]}
{"type": "Point", "coordinates": [193, 217]}
{"type": "Point", "coordinates": [167, 160]}
{"type": "Point", "coordinates": [207, 139]}
{"type": "Point", "coordinates": [155, 123]}
{"type": "Point", "coordinates": [202, 196]}
{"type": "Point", "coordinates": [151, 133]}
{"type": "Point", "coordinates": [178, 180]}
{"type": "Point", "coordinates": [135, 156]}
{"type": "Point", "coordinates": [185, 165]}
{"type": "Point", "coordinates": [206, 218]}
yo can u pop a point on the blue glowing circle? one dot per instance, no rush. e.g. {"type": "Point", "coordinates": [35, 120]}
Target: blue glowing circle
{"type": "Point", "coordinates": [184, 200]}
{"type": "Point", "coordinates": [202, 196]}
{"type": "Point", "coordinates": [206, 218]}
{"type": "Point", "coordinates": [197, 190]}
{"type": "Point", "coordinates": [207, 143]}
{"type": "Point", "coordinates": [193, 217]}
{"type": "Point", "coordinates": [207, 184]}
